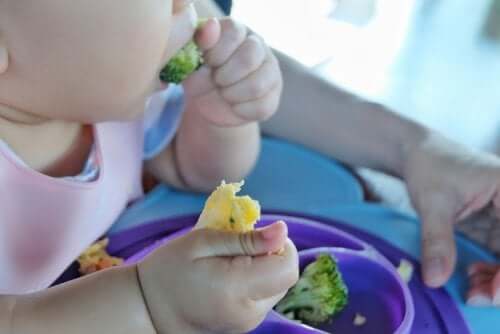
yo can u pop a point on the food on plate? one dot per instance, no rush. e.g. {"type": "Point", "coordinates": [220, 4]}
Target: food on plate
{"type": "Point", "coordinates": [225, 211]}
{"type": "Point", "coordinates": [405, 270]}
{"type": "Point", "coordinates": [319, 294]}
{"type": "Point", "coordinates": [96, 258]}
{"type": "Point", "coordinates": [359, 320]}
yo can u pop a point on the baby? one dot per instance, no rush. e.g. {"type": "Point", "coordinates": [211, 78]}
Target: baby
{"type": "Point", "coordinates": [74, 81]}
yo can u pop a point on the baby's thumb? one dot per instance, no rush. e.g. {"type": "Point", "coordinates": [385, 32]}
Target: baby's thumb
{"type": "Point", "coordinates": [211, 243]}
{"type": "Point", "coordinates": [208, 34]}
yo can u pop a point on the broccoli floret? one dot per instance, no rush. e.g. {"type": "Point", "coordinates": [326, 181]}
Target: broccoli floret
{"type": "Point", "coordinates": [319, 294]}
{"type": "Point", "coordinates": [185, 62]}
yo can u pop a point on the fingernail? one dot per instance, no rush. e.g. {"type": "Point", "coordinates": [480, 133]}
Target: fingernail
{"type": "Point", "coordinates": [434, 271]}
{"type": "Point", "coordinates": [272, 231]}
{"type": "Point", "coordinates": [479, 301]}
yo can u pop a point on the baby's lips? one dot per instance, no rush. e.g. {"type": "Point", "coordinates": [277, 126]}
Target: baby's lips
{"type": "Point", "coordinates": [183, 28]}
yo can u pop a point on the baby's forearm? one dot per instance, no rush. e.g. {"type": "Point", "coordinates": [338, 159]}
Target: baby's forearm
{"type": "Point", "coordinates": [207, 154]}
{"type": "Point", "coordinates": [107, 302]}
{"type": "Point", "coordinates": [315, 113]}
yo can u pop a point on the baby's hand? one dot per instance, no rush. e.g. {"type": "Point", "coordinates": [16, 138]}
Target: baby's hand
{"type": "Point", "coordinates": [218, 282]}
{"type": "Point", "coordinates": [240, 81]}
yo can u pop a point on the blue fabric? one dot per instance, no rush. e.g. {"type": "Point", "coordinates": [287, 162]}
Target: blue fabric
{"type": "Point", "coordinates": [290, 178]}
{"type": "Point", "coordinates": [279, 181]}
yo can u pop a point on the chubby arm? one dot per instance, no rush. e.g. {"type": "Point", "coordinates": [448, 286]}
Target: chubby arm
{"type": "Point", "coordinates": [107, 302]}
{"type": "Point", "coordinates": [203, 154]}
{"type": "Point", "coordinates": [238, 86]}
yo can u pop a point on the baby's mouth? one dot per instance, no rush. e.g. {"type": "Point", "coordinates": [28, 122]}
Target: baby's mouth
{"type": "Point", "coordinates": [184, 56]}
{"type": "Point", "coordinates": [180, 51]}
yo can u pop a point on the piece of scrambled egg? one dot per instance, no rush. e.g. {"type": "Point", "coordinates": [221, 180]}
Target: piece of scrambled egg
{"type": "Point", "coordinates": [96, 258]}
{"type": "Point", "coordinates": [226, 211]}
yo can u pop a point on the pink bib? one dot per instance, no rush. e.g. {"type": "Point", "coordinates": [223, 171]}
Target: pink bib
{"type": "Point", "coordinates": [45, 223]}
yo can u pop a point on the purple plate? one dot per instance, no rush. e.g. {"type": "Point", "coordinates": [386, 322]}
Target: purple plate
{"type": "Point", "coordinates": [380, 296]}
{"type": "Point", "coordinates": [435, 310]}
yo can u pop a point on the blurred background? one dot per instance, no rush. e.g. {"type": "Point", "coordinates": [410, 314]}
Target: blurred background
{"type": "Point", "coordinates": [432, 60]}
{"type": "Point", "coordinates": [435, 61]}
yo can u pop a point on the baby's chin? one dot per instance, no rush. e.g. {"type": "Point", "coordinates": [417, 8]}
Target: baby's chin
{"type": "Point", "coordinates": [128, 114]}
{"type": "Point", "coordinates": [132, 114]}
{"type": "Point", "coordinates": [159, 86]}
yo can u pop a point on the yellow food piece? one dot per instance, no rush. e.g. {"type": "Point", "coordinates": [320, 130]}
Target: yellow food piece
{"type": "Point", "coordinates": [96, 258]}
{"type": "Point", "coordinates": [405, 270]}
{"type": "Point", "coordinates": [226, 211]}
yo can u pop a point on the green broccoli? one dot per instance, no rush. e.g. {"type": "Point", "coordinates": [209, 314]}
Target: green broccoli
{"type": "Point", "coordinates": [319, 294]}
{"type": "Point", "coordinates": [185, 62]}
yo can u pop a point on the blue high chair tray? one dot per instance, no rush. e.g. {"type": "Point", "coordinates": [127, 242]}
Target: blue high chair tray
{"type": "Point", "coordinates": [290, 178]}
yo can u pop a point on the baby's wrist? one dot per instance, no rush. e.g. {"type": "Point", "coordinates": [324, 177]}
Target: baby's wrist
{"type": "Point", "coordinates": [141, 282]}
{"type": "Point", "coordinates": [207, 125]}
{"type": "Point", "coordinates": [162, 314]}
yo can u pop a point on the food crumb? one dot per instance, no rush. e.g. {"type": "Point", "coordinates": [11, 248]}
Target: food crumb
{"type": "Point", "coordinates": [359, 320]}
{"type": "Point", "coordinates": [405, 270]}
{"type": "Point", "coordinates": [96, 258]}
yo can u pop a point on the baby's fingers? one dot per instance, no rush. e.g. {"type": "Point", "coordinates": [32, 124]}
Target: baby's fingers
{"type": "Point", "coordinates": [211, 243]}
{"type": "Point", "coordinates": [256, 85]}
{"type": "Point", "coordinates": [265, 305]}
{"type": "Point", "coordinates": [208, 34]}
{"type": "Point", "coordinates": [272, 275]}
{"type": "Point", "coordinates": [246, 59]}
{"type": "Point", "coordinates": [233, 34]}
{"type": "Point", "coordinates": [260, 109]}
